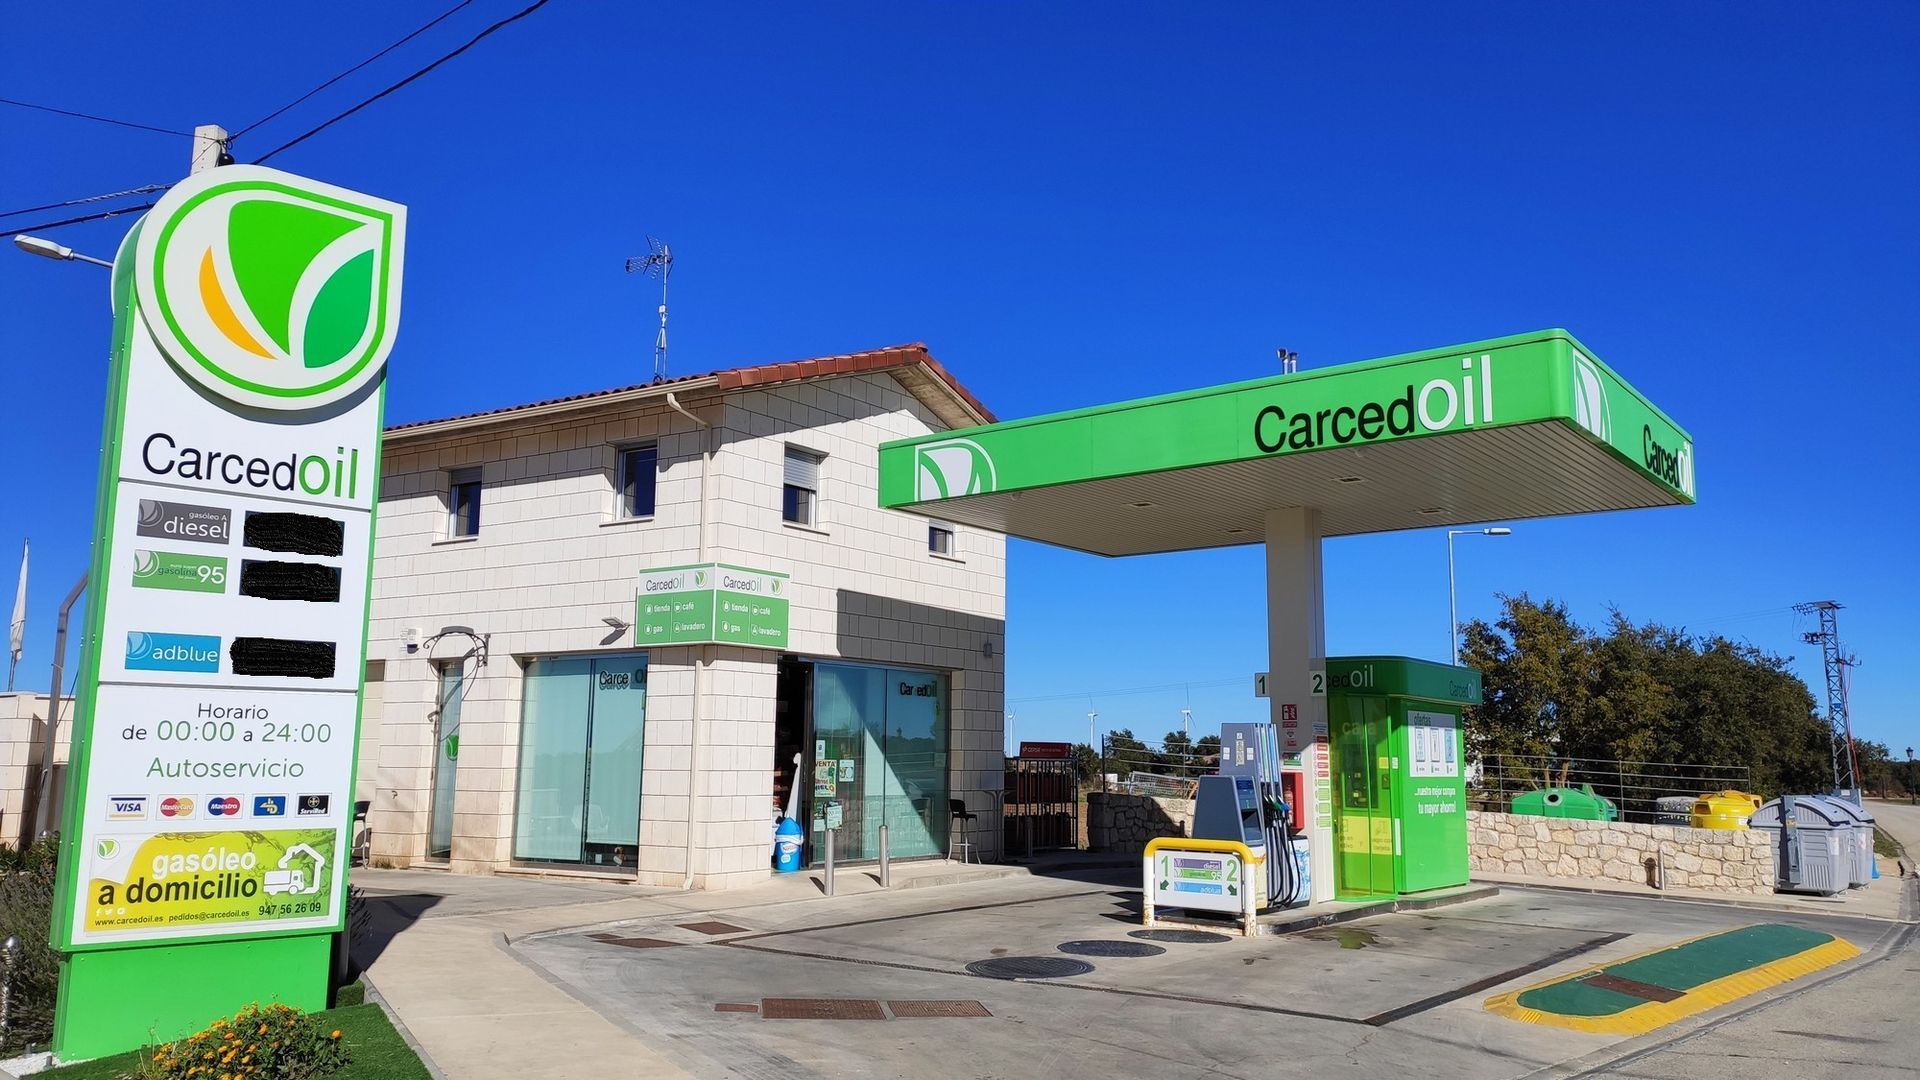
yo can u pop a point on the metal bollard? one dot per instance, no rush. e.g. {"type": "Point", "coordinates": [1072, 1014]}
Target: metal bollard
{"type": "Point", "coordinates": [829, 879]}
{"type": "Point", "coordinates": [11, 949]}
{"type": "Point", "coordinates": [886, 870]}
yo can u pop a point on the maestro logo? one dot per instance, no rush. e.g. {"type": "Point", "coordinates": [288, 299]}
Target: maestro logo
{"type": "Point", "coordinates": [271, 290]}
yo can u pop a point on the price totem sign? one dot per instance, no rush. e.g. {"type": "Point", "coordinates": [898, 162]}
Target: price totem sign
{"type": "Point", "coordinates": [205, 834]}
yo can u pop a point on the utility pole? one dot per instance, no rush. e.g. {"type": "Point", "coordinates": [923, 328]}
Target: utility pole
{"type": "Point", "coordinates": [1840, 734]}
{"type": "Point", "coordinates": [209, 148]}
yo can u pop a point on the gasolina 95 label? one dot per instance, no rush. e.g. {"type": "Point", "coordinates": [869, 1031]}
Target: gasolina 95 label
{"type": "Point", "coordinates": [184, 573]}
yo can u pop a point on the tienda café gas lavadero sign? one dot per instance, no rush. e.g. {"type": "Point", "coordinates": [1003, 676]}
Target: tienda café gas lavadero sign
{"type": "Point", "coordinates": [712, 603]}
{"type": "Point", "coordinates": [219, 703]}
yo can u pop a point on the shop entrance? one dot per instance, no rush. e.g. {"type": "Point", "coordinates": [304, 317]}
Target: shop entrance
{"type": "Point", "coordinates": [452, 689]}
{"type": "Point", "coordinates": [582, 724]}
{"type": "Point", "coordinates": [871, 741]}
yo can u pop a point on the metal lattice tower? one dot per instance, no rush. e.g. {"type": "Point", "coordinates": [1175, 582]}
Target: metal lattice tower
{"type": "Point", "coordinates": [1841, 727]}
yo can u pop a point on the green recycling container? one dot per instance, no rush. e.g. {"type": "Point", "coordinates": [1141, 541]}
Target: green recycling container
{"type": "Point", "coordinates": [1565, 802]}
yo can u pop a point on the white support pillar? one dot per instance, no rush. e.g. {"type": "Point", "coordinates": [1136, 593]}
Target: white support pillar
{"type": "Point", "coordinates": [1296, 646]}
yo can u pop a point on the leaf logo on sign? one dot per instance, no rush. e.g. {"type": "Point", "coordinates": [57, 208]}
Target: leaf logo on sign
{"type": "Point", "coordinates": [107, 848]}
{"type": "Point", "coordinates": [270, 290]}
{"type": "Point", "coordinates": [1590, 408]}
{"type": "Point", "coordinates": [954, 467]}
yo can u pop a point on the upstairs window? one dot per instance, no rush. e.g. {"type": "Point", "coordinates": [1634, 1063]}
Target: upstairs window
{"type": "Point", "coordinates": [800, 494]}
{"type": "Point", "coordinates": [463, 503]}
{"type": "Point", "coordinates": [940, 538]}
{"type": "Point", "coordinates": [639, 471]}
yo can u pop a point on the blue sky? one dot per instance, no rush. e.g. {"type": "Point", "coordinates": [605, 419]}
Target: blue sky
{"type": "Point", "coordinates": [1091, 203]}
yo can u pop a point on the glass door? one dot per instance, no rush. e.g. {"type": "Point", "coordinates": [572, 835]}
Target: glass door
{"type": "Point", "coordinates": [446, 755]}
{"type": "Point", "coordinates": [879, 751]}
{"type": "Point", "coordinates": [1363, 805]}
{"type": "Point", "coordinates": [581, 732]}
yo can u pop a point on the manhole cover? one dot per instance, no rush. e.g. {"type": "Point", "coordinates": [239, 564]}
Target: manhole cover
{"type": "Point", "coordinates": [713, 929]}
{"type": "Point", "coordinates": [1111, 948]}
{"type": "Point", "coordinates": [930, 1010]}
{"type": "Point", "coordinates": [636, 942]}
{"type": "Point", "coordinates": [1029, 967]}
{"type": "Point", "coordinates": [1184, 937]}
{"type": "Point", "coordinates": [820, 1009]}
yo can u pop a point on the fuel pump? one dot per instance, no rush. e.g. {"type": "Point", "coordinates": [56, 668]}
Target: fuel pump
{"type": "Point", "coordinates": [1250, 798]}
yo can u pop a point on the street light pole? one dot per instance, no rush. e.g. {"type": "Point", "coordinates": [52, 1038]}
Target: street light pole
{"type": "Point", "coordinates": [1453, 603]}
{"type": "Point", "coordinates": [1910, 778]}
{"type": "Point", "coordinates": [47, 249]}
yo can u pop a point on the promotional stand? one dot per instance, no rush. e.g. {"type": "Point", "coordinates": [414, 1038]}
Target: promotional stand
{"type": "Point", "coordinates": [204, 840]}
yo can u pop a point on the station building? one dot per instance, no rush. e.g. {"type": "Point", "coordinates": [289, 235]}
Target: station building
{"type": "Point", "coordinates": [518, 720]}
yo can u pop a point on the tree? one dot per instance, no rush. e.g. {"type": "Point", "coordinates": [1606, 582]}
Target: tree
{"type": "Point", "coordinates": [1086, 763]}
{"type": "Point", "coordinates": [1124, 753]}
{"type": "Point", "coordinates": [1208, 746]}
{"type": "Point", "coordinates": [1554, 692]}
{"type": "Point", "coordinates": [1178, 747]}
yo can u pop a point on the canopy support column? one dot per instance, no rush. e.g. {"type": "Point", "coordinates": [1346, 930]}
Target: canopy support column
{"type": "Point", "coordinates": [1296, 647]}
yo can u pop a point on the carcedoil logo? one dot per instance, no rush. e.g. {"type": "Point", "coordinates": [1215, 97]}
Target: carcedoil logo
{"type": "Point", "coordinates": [271, 290]}
{"type": "Point", "coordinates": [1590, 409]}
{"type": "Point", "coordinates": [953, 467]}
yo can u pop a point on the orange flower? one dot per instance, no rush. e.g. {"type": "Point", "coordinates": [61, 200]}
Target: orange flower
{"type": "Point", "coordinates": [336, 1033]}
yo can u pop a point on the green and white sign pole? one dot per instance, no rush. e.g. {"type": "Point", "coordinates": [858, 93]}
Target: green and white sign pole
{"type": "Point", "coordinates": [205, 834]}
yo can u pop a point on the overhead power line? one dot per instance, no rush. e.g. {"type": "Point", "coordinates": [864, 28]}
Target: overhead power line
{"type": "Point", "coordinates": [442, 17]}
{"type": "Point", "coordinates": [91, 116]}
{"type": "Point", "coordinates": [475, 40]}
{"type": "Point", "coordinates": [147, 189]}
{"type": "Point", "coordinates": [43, 226]}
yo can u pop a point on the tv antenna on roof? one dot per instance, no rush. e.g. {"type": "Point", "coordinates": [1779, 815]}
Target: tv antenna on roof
{"type": "Point", "coordinates": [1289, 361]}
{"type": "Point", "coordinates": [657, 263]}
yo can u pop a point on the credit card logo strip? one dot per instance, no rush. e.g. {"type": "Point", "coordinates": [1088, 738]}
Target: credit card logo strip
{"type": "Point", "coordinates": [149, 650]}
{"type": "Point", "coordinates": [183, 521]}
{"type": "Point", "coordinates": [315, 805]}
{"type": "Point", "coordinates": [270, 806]}
{"type": "Point", "coordinates": [126, 808]}
{"type": "Point", "coordinates": [223, 806]}
{"type": "Point", "coordinates": [176, 807]}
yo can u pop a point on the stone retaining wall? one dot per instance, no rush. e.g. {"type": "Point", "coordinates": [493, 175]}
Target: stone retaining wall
{"type": "Point", "coordinates": [1730, 861]}
{"type": "Point", "coordinates": [1123, 823]}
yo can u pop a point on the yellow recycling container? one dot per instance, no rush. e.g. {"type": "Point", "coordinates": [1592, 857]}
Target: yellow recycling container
{"type": "Point", "coordinates": [1723, 810]}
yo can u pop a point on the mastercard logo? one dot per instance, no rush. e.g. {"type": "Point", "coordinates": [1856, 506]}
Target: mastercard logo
{"type": "Point", "coordinates": [177, 807]}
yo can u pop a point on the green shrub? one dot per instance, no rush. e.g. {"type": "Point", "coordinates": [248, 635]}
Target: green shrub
{"type": "Point", "coordinates": [26, 914]}
{"type": "Point", "coordinates": [261, 1042]}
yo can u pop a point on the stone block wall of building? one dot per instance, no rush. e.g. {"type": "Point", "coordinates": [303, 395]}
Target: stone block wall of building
{"type": "Point", "coordinates": [554, 559]}
{"type": "Point", "coordinates": [1736, 861]}
{"type": "Point", "coordinates": [1122, 824]}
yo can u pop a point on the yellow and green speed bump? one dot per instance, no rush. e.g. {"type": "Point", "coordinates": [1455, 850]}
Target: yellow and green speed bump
{"type": "Point", "coordinates": [1653, 989]}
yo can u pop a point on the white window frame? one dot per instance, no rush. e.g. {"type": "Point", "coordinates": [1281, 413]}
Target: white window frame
{"type": "Point", "coordinates": [456, 479]}
{"type": "Point", "coordinates": [621, 511]}
{"type": "Point", "coordinates": [934, 529]}
{"type": "Point", "coordinates": [790, 477]}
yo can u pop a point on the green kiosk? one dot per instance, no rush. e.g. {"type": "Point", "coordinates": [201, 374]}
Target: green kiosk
{"type": "Point", "coordinates": [1399, 798]}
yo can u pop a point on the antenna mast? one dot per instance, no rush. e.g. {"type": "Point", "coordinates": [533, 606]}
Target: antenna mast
{"type": "Point", "coordinates": [1840, 735]}
{"type": "Point", "coordinates": [657, 263]}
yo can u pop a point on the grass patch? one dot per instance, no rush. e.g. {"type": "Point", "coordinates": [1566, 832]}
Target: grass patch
{"type": "Point", "coordinates": [379, 1053]}
{"type": "Point", "coordinates": [1886, 846]}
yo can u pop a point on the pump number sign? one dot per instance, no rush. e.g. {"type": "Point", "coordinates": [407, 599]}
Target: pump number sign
{"type": "Point", "coordinates": [1202, 880]}
{"type": "Point", "coordinates": [220, 694]}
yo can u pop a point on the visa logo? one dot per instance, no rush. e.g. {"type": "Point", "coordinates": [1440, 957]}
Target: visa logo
{"type": "Point", "coordinates": [173, 652]}
{"type": "Point", "coordinates": [126, 808]}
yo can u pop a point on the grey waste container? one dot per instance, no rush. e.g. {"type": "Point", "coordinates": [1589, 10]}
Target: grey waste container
{"type": "Point", "coordinates": [1814, 853]}
{"type": "Point", "coordinates": [1860, 840]}
{"type": "Point", "coordinates": [1674, 810]}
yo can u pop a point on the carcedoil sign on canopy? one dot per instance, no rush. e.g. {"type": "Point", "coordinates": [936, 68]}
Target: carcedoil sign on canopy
{"type": "Point", "coordinates": [205, 835]}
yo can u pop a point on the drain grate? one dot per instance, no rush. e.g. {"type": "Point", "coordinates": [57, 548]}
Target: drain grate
{"type": "Point", "coordinates": [713, 929]}
{"type": "Point", "coordinates": [1183, 937]}
{"type": "Point", "coordinates": [1110, 948]}
{"type": "Point", "coordinates": [932, 1010]}
{"type": "Point", "coordinates": [636, 942]}
{"type": "Point", "coordinates": [820, 1009]}
{"type": "Point", "coordinates": [1029, 967]}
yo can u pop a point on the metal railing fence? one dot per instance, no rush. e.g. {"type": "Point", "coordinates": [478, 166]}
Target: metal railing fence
{"type": "Point", "coordinates": [1171, 771]}
{"type": "Point", "coordinates": [1653, 792]}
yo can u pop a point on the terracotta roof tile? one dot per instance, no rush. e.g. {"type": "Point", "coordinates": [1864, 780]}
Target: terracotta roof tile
{"type": "Point", "coordinates": [760, 375]}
